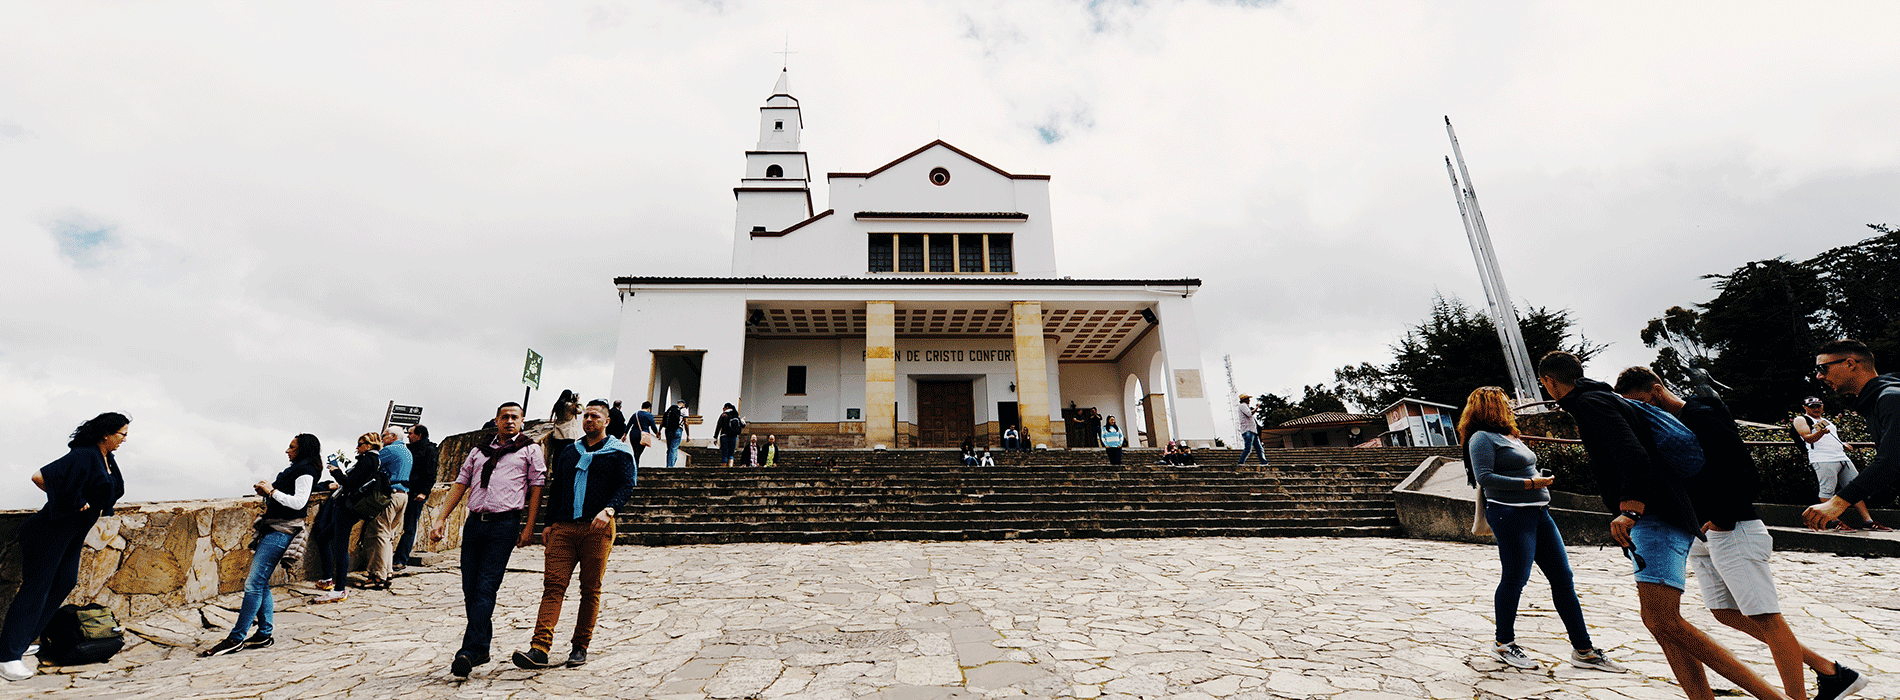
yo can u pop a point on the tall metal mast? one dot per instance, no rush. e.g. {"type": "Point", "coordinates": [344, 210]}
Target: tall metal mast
{"type": "Point", "coordinates": [1503, 315]}
{"type": "Point", "coordinates": [1233, 393]}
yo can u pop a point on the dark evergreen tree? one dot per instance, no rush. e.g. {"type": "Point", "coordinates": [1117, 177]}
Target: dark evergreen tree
{"type": "Point", "coordinates": [1453, 352]}
{"type": "Point", "coordinates": [1763, 327]}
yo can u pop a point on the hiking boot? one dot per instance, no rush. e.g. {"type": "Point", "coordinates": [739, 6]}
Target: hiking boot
{"type": "Point", "coordinates": [532, 659]}
{"type": "Point", "coordinates": [577, 657]}
{"type": "Point", "coordinates": [1513, 655]}
{"type": "Point", "coordinates": [259, 641]}
{"type": "Point", "coordinates": [1844, 682]}
{"type": "Point", "coordinates": [224, 646]}
{"type": "Point", "coordinates": [1594, 659]}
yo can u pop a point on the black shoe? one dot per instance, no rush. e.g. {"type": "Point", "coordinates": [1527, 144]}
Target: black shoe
{"type": "Point", "coordinates": [532, 659]}
{"type": "Point", "coordinates": [259, 641]}
{"type": "Point", "coordinates": [464, 663]}
{"type": "Point", "coordinates": [224, 646]}
{"type": "Point", "coordinates": [577, 657]}
{"type": "Point", "coordinates": [1844, 682]}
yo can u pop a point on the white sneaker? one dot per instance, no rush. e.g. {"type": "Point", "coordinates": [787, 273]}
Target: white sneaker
{"type": "Point", "coordinates": [1595, 659]}
{"type": "Point", "coordinates": [332, 597]}
{"type": "Point", "coordinates": [1512, 654]}
{"type": "Point", "coordinates": [15, 670]}
{"type": "Point", "coordinates": [32, 650]}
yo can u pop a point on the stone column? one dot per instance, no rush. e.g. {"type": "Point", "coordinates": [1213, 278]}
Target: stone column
{"type": "Point", "coordinates": [880, 374]}
{"type": "Point", "coordinates": [1157, 408]}
{"type": "Point", "coordinates": [1032, 371]}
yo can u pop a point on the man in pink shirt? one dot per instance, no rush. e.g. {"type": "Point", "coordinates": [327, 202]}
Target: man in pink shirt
{"type": "Point", "coordinates": [502, 479]}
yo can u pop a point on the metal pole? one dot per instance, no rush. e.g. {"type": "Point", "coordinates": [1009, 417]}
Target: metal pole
{"type": "Point", "coordinates": [387, 412]}
{"type": "Point", "coordinates": [1504, 315]}
{"type": "Point", "coordinates": [525, 391]}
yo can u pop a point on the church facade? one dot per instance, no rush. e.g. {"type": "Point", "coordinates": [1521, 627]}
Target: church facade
{"type": "Point", "coordinates": [923, 307]}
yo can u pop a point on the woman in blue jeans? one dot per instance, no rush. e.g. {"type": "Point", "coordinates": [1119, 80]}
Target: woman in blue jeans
{"type": "Point", "coordinates": [1517, 505]}
{"type": "Point", "coordinates": [286, 499]}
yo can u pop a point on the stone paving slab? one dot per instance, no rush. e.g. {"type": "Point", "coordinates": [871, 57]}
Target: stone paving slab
{"type": "Point", "coordinates": [1187, 619]}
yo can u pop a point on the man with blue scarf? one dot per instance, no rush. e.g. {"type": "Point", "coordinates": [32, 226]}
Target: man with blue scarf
{"type": "Point", "coordinates": [591, 478]}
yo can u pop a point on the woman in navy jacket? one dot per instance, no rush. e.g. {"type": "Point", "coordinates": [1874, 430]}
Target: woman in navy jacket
{"type": "Point", "coordinates": [80, 487]}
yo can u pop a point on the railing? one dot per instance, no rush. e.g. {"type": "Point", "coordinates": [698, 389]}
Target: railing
{"type": "Point", "coordinates": [1750, 443]}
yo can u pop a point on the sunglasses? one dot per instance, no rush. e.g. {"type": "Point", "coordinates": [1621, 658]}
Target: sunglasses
{"type": "Point", "coordinates": [1636, 559]}
{"type": "Point", "coordinates": [1821, 368]}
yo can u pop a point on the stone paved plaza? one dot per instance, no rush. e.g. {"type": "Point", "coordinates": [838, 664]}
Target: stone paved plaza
{"type": "Point", "coordinates": [1348, 619]}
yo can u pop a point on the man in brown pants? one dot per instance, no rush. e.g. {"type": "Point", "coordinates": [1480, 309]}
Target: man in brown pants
{"type": "Point", "coordinates": [591, 478]}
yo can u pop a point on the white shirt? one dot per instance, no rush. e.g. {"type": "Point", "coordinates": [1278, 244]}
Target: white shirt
{"type": "Point", "coordinates": [1243, 416]}
{"type": "Point", "coordinates": [1827, 449]}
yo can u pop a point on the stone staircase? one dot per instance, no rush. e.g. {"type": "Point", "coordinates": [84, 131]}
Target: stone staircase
{"type": "Point", "coordinates": [927, 494]}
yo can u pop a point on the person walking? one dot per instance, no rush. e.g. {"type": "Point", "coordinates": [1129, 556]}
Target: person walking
{"type": "Point", "coordinates": [1732, 565]}
{"type": "Point", "coordinates": [1517, 506]}
{"type": "Point", "coordinates": [396, 463]}
{"type": "Point", "coordinates": [1112, 439]}
{"type": "Point", "coordinates": [80, 487]}
{"type": "Point", "coordinates": [1249, 431]}
{"type": "Point", "coordinates": [726, 433]}
{"type": "Point", "coordinates": [1655, 520]}
{"type": "Point", "coordinates": [677, 431]}
{"type": "Point", "coordinates": [617, 423]}
{"type": "Point", "coordinates": [1847, 367]}
{"type": "Point", "coordinates": [286, 500]}
{"type": "Point", "coordinates": [364, 479]}
{"type": "Point", "coordinates": [502, 479]}
{"type": "Point", "coordinates": [590, 481]}
{"type": "Point", "coordinates": [1827, 454]}
{"type": "Point", "coordinates": [423, 472]}
{"type": "Point", "coordinates": [646, 426]}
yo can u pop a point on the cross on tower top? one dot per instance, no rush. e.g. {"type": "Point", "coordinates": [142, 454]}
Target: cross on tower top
{"type": "Point", "coordinates": [785, 56]}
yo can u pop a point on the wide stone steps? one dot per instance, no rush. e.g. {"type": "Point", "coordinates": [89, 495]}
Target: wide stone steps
{"type": "Point", "coordinates": [862, 495]}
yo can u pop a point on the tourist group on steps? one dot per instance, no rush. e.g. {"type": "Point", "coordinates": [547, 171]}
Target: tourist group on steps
{"type": "Point", "coordinates": [1673, 469]}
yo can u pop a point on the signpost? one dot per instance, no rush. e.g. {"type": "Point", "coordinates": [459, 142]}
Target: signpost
{"type": "Point", "coordinates": [531, 376]}
{"type": "Point", "coordinates": [401, 415]}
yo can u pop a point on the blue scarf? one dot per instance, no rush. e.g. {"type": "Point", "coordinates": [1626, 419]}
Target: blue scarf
{"type": "Point", "coordinates": [580, 468]}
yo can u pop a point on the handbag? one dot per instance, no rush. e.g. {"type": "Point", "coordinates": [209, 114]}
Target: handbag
{"type": "Point", "coordinates": [370, 504]}
{"type": "Point", "coordinates": [646, 439]}
{"type": "Point", "coordinates": [1480, 526]}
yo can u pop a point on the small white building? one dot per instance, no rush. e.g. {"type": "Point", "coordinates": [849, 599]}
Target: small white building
{"type": "Point", "coordinates": [923, 307]}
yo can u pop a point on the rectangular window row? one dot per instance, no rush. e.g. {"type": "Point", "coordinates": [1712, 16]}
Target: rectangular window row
{"type": "Point", "coordinates": [941, 252]}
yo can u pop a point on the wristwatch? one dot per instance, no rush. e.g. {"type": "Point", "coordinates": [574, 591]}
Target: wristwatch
{"type": "Point", "coordinates": [1633, 515]}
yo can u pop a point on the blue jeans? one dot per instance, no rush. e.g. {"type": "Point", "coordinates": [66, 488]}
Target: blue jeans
{"type": "Point", "coordinates": [727, 445]}
{"type": "Point", "coordinates": [486, 546]}
{"type": "Point", "coordinates": [410, 515]}
{"type": "Point", "coordinates": [1526, 535]}
{"type": "Point", "coordinates": [257, 599]}
{"type": "Point", "coordinates": [49, 569]}
{"type": "Point", "coordinates": [1250, 443]}
{"type": "Point", "coordinates": [673, 448]}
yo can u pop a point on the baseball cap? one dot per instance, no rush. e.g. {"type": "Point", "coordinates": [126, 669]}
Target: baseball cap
{"type": "Point", "coordinates": [1812, 401]}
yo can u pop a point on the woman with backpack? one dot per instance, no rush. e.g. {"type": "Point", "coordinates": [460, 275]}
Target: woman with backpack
{"type": "Point", "coordinates": [362, 481]}
{"type": "Point", "coordinates": [727, 433]}
{"type": "Point", "coordinates": [1516, 500]}
{"type": "Point", "coordinates": [80, 487]}
{"type": "Point", "coordinates": [286, 499]}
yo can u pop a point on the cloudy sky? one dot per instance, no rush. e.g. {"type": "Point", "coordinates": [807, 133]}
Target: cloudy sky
{"type": "Point", "coordinates": [236, 222]}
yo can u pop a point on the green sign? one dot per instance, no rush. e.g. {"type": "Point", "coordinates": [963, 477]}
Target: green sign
{"type": "Point", "coordinates": [531, 372]}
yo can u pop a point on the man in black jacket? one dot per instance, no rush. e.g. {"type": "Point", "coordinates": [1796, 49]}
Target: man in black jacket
{"type": "Point", "coordinates": [1847, 367]}
{"type": "Point", "coordinates": [1732, 566]}
{"type": "Point", "coordinates": [1655, 522]}
{"type": "Point", "coordinates": [422, 477]}
{"type": "Point", "coordinates": [591, 479]}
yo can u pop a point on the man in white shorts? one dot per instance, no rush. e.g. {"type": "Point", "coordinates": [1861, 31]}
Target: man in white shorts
{"type": "Point", "coordinates": [1732, 566]}
{"type": "Point", "coordinates": [1828, 455]}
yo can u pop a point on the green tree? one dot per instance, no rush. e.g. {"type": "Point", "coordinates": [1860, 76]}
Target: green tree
{"type": "Point", "coordinates": [1763, 328]}
{"type": "Point", "coordinates": [1861, 290]}
{"type": "Point", "coordinates": [1275, 409]}
{"type": "Point", "coordinates": [1454, 351]}
{"type": "Point", "coordinates": [1678, 332]}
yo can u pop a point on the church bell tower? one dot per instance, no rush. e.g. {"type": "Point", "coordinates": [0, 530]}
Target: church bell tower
{"type": "Point", "coordinates": [776, 190]}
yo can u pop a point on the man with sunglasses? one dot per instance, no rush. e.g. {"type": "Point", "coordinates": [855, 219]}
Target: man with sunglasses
{"type": "Point", "coordinates": [1654, 518]}
{"type": "Point", "coordinates": [1847, 367]}
{"type": "Point", "coordinates": [1827, 455]}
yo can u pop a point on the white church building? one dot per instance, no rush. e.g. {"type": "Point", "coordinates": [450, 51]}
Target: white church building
{"type": "Point", "coordinates": [923, 307]}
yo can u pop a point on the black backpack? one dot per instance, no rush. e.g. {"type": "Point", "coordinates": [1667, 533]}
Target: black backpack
{"type": "Point", "coordinates": [671, 419]}
{"type": "Point", "coordinates": [82, 634]}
